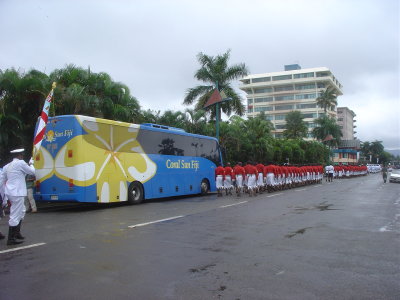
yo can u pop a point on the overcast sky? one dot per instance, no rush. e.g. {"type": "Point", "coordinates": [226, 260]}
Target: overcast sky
{"type": "Point", "coordinates": [151, 46]}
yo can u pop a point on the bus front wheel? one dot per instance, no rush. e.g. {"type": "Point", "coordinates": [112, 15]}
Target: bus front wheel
{"type": "Point", "coordinates": [205, 188]}
{"type": "Point", "coordinates": [135, 193]}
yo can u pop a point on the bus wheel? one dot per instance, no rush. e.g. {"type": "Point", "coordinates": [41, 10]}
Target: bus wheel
{"type": "Point", "coordinates": [204, 187]}
{"type": "Point", "coordinates": [135, 193]}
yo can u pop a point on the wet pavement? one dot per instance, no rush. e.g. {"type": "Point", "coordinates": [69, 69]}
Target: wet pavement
{"type": "Point", "coordinates": [337, 240]}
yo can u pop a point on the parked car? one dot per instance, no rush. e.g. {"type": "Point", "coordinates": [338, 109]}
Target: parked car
{"type": "Point", "coordinates": [394, 176]}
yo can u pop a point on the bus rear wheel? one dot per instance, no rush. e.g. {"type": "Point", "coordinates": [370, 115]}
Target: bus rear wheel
{"type": "Point", "coordinates": [204, 186]}
{"type": "Point", "coordinates": [135, 193]}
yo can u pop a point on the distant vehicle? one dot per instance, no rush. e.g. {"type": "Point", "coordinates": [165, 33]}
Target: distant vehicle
{"type": "Point", "coordinates": [374, 168]}
{"type": "Point", "coordinates": [395, 176]}
{"type": "Point", "coordinates": [86, 159]}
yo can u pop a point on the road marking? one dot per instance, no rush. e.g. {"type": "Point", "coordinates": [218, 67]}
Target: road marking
{"type": "Point", "coordinates": [274, 195]}
{"type": "Point", "coordinates": [223, 206]}
{"type": "Point", "coordinates": [21, 248]}
{"type": "Point", "coordinates": [153, 222]}
{"type": "Point", "coordinates": [300, 190]}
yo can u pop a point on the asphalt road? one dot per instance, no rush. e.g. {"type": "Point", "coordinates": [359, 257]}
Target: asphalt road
{"type": "Point", "coordinates": [337, 240]}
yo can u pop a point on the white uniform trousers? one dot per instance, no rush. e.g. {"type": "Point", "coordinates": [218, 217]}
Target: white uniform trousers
{"type": "Point", "coordinates": [239, 180]}
{"type": "Point", "coordinates": [270, 179]}
{"type": "Point", "coordinates": [251, 181]}
{"type": "Point", "coordinates": [260, 179]}
{"type": "Point", "coordinates": [228, 182]}
{"type": "Point", "coordinates": [17, 210]}
{"type": "Point", "coordinates": [219, 181]}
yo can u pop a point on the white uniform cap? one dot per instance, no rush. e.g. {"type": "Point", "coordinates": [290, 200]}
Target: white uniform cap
{"type": "Point", "coordinates": [17, 150]}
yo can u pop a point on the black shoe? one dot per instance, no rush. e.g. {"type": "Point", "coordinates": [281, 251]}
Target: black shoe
{"type": "Point", "coordinates": [11, 236]}
{"type": "Point", "coordinates": [18, 234]}
{"type": "Point", "coordinates": [2, 237]}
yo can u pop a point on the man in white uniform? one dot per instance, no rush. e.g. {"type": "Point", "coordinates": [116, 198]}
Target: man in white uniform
{"type": "Point", "coordinates": [13, 179]}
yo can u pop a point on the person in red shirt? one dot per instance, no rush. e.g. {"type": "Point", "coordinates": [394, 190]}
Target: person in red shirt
{"type": "Point", "coordinates": [260, 177]}
{"type": "Point", "coordinates": [219, 179]}
{"type": "Point", "coordinates": [228, 179]}
{"type": "Point", "coordinates": [239, 175]}
{"type": "Point", "coordinates": [251, 175]}
{"type": "Point", "coordinates": [270, 177]}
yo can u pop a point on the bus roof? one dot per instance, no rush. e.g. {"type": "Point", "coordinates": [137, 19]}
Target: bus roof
{"type": "Point", "coordinates": [163, 127]}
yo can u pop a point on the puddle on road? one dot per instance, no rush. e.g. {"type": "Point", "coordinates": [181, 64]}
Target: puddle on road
{"type": "Point", "coordinates": [321, 207]}
{"type": "Point", "coordinates": [300, 231]}
{"type": "Point", "coordinates": [201, 269]}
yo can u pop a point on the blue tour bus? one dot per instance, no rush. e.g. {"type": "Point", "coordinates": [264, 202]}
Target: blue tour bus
{"type": "Point", "coordinates": [87, 159]}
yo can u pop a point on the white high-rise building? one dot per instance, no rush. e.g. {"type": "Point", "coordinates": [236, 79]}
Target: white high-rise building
{"type": "Point", "coordinates": [345, 119]}
{"type": "Point", "coordinates": [278, 93]}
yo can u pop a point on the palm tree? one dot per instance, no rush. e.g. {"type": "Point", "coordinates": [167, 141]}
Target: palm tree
{"type": "Point", "coordinates": [296, 128]}
{"type": "Point", "coordinates": [327, 126]}
{"type": "Point", "coordinates": [327, 99]}
{"type": "Point", "coordinates": [215, 72]}
{"type": "Point", "coordinates": [195, 121]}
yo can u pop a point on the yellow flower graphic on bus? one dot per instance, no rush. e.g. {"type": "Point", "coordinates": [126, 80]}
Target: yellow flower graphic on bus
{"type": "Point", "coordinates": [109, 155]}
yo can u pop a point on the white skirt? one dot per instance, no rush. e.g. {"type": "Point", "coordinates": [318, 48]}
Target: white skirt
{"type": "Point", "coordinates": [219, 181]}
{"type": "Point", "coordinates": [228, 182]}
{"type": "Point", "coordinates": [251, 181]}
{"type": "Point", "coordinates": [239, 180]}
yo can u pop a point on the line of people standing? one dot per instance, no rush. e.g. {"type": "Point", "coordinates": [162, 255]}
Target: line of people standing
{"type": "Point", "coordinates": [254, 178]}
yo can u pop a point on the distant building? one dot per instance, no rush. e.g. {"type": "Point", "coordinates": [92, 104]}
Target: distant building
{"type": "Point", "coordinates": [348, 152]}
{"type": "Point", "coordinates": [278, 93]}
{"type": "Point", "coordinates": [345, 119]}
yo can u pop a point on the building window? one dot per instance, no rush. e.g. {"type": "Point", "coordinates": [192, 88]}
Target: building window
{"type": "Point", "coordinates": [321, 85]}
{"type": "Point", "coordinates": [269, 117]}
{"type": "Point", "coordinates": [264, 99]}
{"type": "Point", "coordinates": [249, 101]}
{"type": "Point", "coordinates": [308, 86]}
{"type": "Point", "coordinates": [280, 126]}
{"type": "Point", "coordinates": [309, 115]}
{"type": "Point", "coordinates": [281, 77]}
{"type": "Point", "coordinates": [303, 75]}
{"type": "Point", "coordinates": [280, 117]}
{"type": "Point", "coordinates": [340, 119]}
{"type": "Point", "coordinates": [263, 90]}
{"type": "Point", "coordinates": [283, 107]}
{"type": "Point", "coordinates": [306, 96]}
{"type": "Point", "coordinates": [250, 108]}
{"type": "Point", "coordinates": [262, 79]}
{"type": "Point", "coordinates": [311, 125]}
{"type": "Point", "coordinates": [262, 108]}
{"type": "Point", "coordinates": [306, 105]}
{"type": "Point", "coordinates": [283, 88]}
{"type": "Point", "coordinates": [278, 135]}
{"type": "Point", "coordinates": [284, 97]}
{"type": "Point", "coordinates": [322, 74]}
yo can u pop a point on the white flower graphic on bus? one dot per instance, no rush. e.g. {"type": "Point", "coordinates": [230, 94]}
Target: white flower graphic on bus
{"type": "Point", "coordinates": [109, 156]}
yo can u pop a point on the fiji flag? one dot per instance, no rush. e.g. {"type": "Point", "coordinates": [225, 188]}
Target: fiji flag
{"type": "Point", "coordinates": [41, 127]}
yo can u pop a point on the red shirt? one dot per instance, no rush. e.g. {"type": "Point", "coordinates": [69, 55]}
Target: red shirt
{"type": "Point", "coordinates": [219, 171]}
{"type": "Point", "coordinates": [250, 169]}
{"type": "Point", "coordinates": [268, 169]}
{"type": "Point", "coordinates": [238, 170]}
{"type": "Point", "coordinates": [229, 171]}
{"type": "Point", "coordinates": [260, 168]}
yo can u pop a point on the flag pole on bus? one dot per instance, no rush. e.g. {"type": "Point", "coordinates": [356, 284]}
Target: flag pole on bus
{"type": "Point", "coordinates": [42, 122]}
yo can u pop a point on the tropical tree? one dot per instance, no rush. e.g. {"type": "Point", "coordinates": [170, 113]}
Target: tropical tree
{"type": "Point", "coordinates": [327, 130]}
{"type": "Point", "coordinates": [216, 73]}
{"type": "Point", "coordinates": [296, 128]}
{"type": "Point", "coordinates": [326, 99]}
{"type": "Point", "coordinates": [258, 131]}
{"type": "Point", "coordinates": [80, 91]}
{"type": "Point", "coordinates": [195, 121]}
